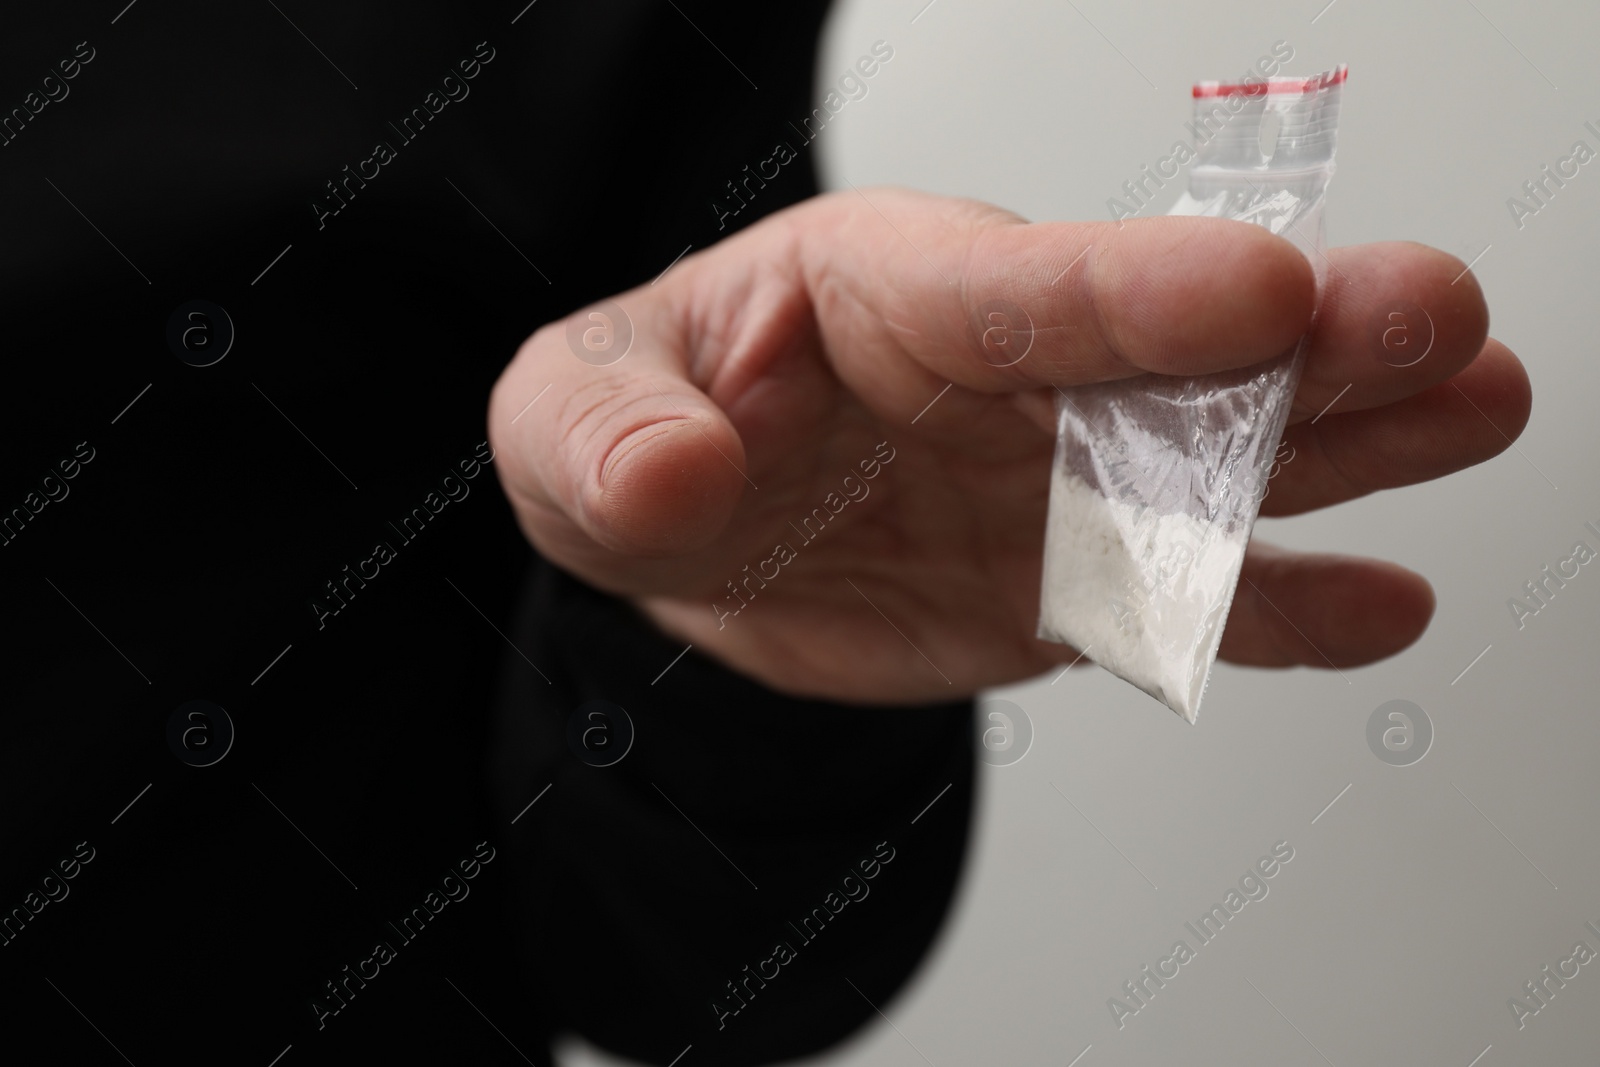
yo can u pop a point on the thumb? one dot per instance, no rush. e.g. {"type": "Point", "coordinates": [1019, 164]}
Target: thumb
{"type": "Point", "coordinates": [600, 437]}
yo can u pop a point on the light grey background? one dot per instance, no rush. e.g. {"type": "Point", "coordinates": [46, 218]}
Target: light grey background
{"type": "Point", "coordinates": [1408, 916]}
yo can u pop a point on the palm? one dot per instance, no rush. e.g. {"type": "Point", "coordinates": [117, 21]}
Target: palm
{"type": "Point", "coordinates": [923, 578]}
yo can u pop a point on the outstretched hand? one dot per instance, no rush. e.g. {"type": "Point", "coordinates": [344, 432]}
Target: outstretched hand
{"type": "Point", "coordinates": [813, 465]}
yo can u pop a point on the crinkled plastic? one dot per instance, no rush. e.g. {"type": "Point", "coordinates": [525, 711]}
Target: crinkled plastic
{"type": "Point", "coordinates": [1158, 480]}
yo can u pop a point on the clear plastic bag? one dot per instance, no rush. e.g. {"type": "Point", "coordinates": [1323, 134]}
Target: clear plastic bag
{"type": "Point", "coordinates": [1158, 480]}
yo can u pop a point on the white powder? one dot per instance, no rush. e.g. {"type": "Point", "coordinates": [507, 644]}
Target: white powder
{"type": "Point", "coordinates": [1143, 594]}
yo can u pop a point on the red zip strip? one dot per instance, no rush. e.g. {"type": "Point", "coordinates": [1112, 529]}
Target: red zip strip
{"type": "Point", "coordinates": [1273, 85]}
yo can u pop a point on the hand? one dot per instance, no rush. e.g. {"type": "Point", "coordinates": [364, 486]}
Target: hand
{"type": "Point", "coordinates": [769, 367]}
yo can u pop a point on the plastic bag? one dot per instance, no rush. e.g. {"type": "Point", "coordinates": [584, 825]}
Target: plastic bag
{"type": "Point", "coordinates": [1158, 480]}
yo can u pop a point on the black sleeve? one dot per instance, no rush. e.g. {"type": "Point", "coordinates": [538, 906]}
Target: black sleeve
{"type": "Point", "coordinates": [753, 872]}
{"type": "Point", "coordinates": [272, 718]}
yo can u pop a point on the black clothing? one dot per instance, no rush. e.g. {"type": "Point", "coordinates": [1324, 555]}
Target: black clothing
{"type": "Point", "coordinates": [173, 533]}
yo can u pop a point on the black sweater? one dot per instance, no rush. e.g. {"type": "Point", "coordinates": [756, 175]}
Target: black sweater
{"type": "Point", "coordinates": [407, 847]}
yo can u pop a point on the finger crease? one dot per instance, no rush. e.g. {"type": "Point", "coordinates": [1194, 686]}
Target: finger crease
{"type": "Point", "coordinates": [1355, 487]}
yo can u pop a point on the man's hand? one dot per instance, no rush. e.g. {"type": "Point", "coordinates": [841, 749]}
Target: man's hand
{"type": "Point", "coordinates": [704, 474]}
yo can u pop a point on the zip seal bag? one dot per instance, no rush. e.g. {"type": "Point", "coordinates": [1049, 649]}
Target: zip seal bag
{"type": "Point", "coordinates": [1157, 480]}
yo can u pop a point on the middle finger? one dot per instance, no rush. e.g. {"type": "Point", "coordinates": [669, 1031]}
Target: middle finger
{"type": "Point", "coordinates": [1396, 318]}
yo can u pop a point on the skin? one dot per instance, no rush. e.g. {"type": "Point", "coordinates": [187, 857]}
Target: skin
{"type": "Point", "coordinates": [782, 356]}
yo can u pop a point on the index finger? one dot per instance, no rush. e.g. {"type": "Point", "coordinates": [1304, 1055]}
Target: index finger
{"type": "Point", "coordinates": [1098, 301]}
